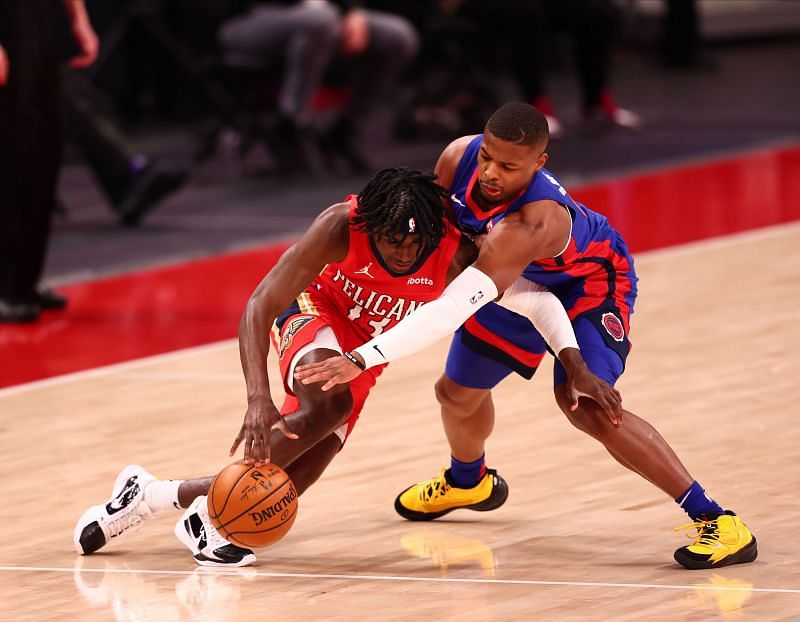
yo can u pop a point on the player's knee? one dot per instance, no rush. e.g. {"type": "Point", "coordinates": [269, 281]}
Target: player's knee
{"type": "Point", "coordinates": [444, 393]}
{"type": "Point", "coordinates": [340, 404]}
{"type": "Point", "coordinates": [454, 397]}
{"type": "Point", "coordinates": [588, 417]}
{"type": "Point", "coordinates": [330, 408]}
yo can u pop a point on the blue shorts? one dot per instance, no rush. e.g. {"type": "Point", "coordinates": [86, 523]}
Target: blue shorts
{"type": "Point", "coordinates": [473, 363]}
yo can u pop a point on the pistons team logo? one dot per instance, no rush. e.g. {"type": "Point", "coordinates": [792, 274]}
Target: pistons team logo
{"type": "Point", "coordinates": [613, 326]}
{"type": "Point", "coordinates": [291, 329]}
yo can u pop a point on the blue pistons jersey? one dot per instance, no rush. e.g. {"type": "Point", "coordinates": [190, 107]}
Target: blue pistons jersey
{"type": "Point", "coordinates": [593, 277]}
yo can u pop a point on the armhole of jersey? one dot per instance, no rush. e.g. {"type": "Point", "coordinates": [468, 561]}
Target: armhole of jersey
{"type": "Point", "coordinates": [569, 237]}
{"type": "Point", "coordinates": [455, 236]}
{"type": "Point", "coordinates": [352, 232]}
{"type": "Point", "coordinates": [464, 162]}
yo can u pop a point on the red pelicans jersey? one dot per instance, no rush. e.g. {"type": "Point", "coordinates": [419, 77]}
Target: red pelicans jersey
{"type": "Point", "coordinates": [360, 297]}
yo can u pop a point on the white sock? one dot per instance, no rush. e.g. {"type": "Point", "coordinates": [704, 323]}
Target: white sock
{"type": "Point", "coordinates": [161, 495]}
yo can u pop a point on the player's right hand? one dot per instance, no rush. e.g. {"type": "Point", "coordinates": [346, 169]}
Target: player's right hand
{"type": "Point", "coordinates": [583, 383]}
{"type": "Point", "coordinates": [259, 421]}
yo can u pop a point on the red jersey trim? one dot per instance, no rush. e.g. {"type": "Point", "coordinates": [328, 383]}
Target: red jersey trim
{"type": "Point", "coordinates": [475, 208]}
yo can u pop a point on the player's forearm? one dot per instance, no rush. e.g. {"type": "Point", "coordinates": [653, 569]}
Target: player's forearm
{"type": "Point", "coordinates": [572, 359]}
{"type": "Point", "coordinates": [76, 11]}
{"type": "Point", "coordinates": [470, 291]}
{"type": "Point", "coordinates": [254, 328]}
{"type": "Point", "coordinates": [547, 314]}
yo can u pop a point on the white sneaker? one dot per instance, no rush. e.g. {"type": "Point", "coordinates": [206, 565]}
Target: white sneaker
{"type": "Point", "coordinates": [122, 514]}
{"type": "Point", "coordinates": [209, 548]}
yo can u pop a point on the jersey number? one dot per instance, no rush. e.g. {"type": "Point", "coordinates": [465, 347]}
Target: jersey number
{"type": "Point", "coordinates": [377, 325]}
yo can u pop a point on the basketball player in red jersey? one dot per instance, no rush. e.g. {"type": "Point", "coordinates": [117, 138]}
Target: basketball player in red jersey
{"type": "Point", "coordinates": [361, 267]}
{"type": "Point", "coordinates": [498, 186]}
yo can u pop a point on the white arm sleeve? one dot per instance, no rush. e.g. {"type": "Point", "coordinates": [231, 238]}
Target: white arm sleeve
{"type": "Point", "coordinates": [468, 292]}
{"type": "Point", "coordinates": [541, 307]}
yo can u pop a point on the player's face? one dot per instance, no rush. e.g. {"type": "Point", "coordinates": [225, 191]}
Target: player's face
{"type": "Point", "coordinates": [505, 168]}
{"type": "Point", "coordinates": [399, 255]}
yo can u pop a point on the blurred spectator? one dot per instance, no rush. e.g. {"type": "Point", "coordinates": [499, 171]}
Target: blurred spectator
{"type": "Point", "coordinates": [680, 41]}
{"type": "Point", "coordinates": [31, 145]}
{"type": "Point", "coordinates": [307, 36]}
{"type": "Point", "coordinates": [133, 182]}
{"type": "Point", "coordinates": [519, 34]}
{"type": "Point", "coordinates": [529, 26]}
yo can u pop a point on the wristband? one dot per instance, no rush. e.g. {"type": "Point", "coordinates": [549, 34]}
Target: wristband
{"type": "Point", "coordinates": [355, 361]}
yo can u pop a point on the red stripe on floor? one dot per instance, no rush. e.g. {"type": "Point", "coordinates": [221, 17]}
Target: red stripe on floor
{"type": "Point", "coordinates": [701, 201]}
{"type": "Point", "coordinates": [127, 317]}
{"type": "Point", "coordinates": [155, 311]}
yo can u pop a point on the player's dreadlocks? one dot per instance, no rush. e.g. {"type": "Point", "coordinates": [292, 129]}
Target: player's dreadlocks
{"type": "Point", "coordinates": [518, 122]}
{"type": "Point", "coordinates": [399, 201]}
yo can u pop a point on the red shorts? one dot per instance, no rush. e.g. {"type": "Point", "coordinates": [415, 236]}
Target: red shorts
{"type": "Point", "coordinates": [300, 329]}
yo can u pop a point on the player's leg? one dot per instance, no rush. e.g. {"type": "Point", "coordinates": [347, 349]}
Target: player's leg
{"type": "Point", "coordinates": [308, 468]}
{"type": "Point", "coordinates": [322, 420]}
{"type": "Point", "coordinates": [638, 446]}
{"type": "Point", "coordinates": [467, 417]}
{"type": "Point", "coordinates": [308, 411]}
{"type": "Point", "coordinates": [464, 394]}
{"type": "Point", "coordinates": [137, 495]}
{"type": "Point", "coordinates": [635, 444]}
{"type": "Point", "coordinates": [312, 414]}
{"type": "Point", "coordinates": [303, 470]}
{"type": "Point", "coordinates": [197, 533]}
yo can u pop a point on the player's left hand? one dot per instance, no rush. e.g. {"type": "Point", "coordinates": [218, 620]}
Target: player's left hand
{"type": "Point", "coordinates": [581, 382]}
{"type": "Point", "coordinates": [88, 45]}
{"type": "Point", "coordinates": [336, 370]}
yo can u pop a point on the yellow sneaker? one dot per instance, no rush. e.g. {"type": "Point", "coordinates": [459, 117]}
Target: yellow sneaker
{"type": "Point", "coordinates": [436, 497]}
{"type": "Point", "coordinates": [720, 541]}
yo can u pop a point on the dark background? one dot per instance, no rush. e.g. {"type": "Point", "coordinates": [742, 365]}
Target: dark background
{"type": "Point", "coordinates": [743, 94]}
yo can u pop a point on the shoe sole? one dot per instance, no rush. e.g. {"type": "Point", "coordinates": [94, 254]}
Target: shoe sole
{"type": "Point", "coordinates": [493, 502]}
{"type": "Point", "coordinates": [210, 563]}
{"type": "Point", "coordinates": [745, 555]}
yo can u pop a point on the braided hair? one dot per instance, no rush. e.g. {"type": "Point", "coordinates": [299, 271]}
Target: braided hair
{"type": "Point", "coordinates": [398, 202]}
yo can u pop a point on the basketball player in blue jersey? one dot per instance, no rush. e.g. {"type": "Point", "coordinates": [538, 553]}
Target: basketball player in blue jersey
{"type": "Point", "coordinates": [499, 187]}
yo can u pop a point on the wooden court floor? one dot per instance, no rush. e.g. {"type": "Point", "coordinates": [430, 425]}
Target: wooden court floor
{"type": "Point", "coordinates": [715, 367]}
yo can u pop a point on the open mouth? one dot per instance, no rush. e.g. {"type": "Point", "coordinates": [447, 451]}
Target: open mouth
{"type": "Point", "coordinates": [489, 190]}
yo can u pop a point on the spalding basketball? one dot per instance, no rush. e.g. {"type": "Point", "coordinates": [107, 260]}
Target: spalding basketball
{"type": "Point", "coordinates": [252, 506]}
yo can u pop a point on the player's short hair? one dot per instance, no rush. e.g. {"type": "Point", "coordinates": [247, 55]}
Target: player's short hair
{"type": "Point", "coordinates": [518, 122]}
{"type": "Point", "coordinates": [398, 202]}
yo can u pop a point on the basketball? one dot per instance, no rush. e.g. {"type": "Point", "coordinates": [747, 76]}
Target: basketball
{"type": "Point", "coordinates": [252, 506]}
